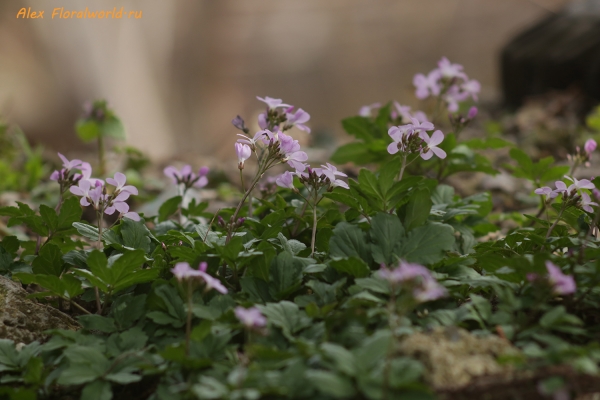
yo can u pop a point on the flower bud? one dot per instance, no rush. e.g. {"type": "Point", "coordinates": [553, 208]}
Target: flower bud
{"type": "Point", "coordinates": [238, 122]}
{"type": "Point", "coordinates": [472, 112]}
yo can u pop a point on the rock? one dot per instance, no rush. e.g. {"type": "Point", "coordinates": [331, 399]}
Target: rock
{"type": "Point", "coordinates": [23, 320]}
{"type": "Point", "coordinates": [453, 356]}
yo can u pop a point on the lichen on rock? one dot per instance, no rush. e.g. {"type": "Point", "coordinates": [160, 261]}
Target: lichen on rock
{"type": "Point", "coordinates": [23, 320]}
{"type": "Point", "coordinates": [453, 356]}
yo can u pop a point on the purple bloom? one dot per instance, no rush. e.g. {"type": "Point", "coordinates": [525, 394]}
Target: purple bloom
{"type": "Point", "coordinates": [561, 283]}
{"type": "Point", "coordinates": [273, 103]}
{"type": "Point", "coordinates": [546, 190]}
{"type": "Point", "coordinates": [183, 270]}
{"type": "Point", "coordinates": [68, 165]}
{"type": "Point", "coordinates": [427, 85]}
{"type": "Point", "coordinates": [186, 176]}
{"type": "Point", "coordinates": [589, 146]}
{"type": "Point", "coordinates": [119, 182]}
{"type": "Point", "coordinates": [471, 88]}
{"type": "Point", "coordinates": [212, 283]}
{"type": "Point", "coordinates": [472, 112]}
{"type": "Point", "coordinates": [251, 318]}
{"type": "Point", "coordinates": [262, 121]}
{"type": "Point", "coordinates": [83, 190]}
{"type": "Point", "coordinates": [365, 111]}
{"type": "Point", "coordinates": [238, 122]}
{"type": "Point", "coordinates": [298, 119]}
{"type": "Point", "coordinates": [436, 138]}
{"type": "Point", "coordinates": [579, 184]}
{"type": "Point", "coordinates": [331, 172]}
{"type": "Point", "coordinates": [448, 70]}
{"type": "Point", "coordinates": [243, 152]}
{"type": "Point", "coordinates": [586, 203]}
{"type": "Point", "coordinates": [286, 180]}
{"type": "Point", "coordinates": [425, 287]}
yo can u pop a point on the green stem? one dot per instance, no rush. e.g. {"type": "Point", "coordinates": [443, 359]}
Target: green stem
{"type": "Point", "coordinates": [188, 322]}
{"type": "Point", "coordinates": [101, 163]}
{"type": "Point", "coordinates": [314, 228]}
{"type": "Point", "coordinates": [562, 209]}
{"type": "Point", "coordinates": [402, 168]}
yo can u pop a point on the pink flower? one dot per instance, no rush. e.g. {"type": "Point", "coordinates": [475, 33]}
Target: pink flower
{"type": "Point", "coordinates": [119, 182]}
{"type": "Point", "coordinates": [589, 146]}
{"type": "Point", "coordinates": [472, 112]}
{"type": "Point", "coordinates": [183, 270]}
{"type": "Point", "coordinates": [561, 283]}
{"type": "Point", "coordinates": [436, 138]}
{"type": "Point", "coordinates": [243, 152]}
{"type": "Point", "coordinates": [449, 70]}
{"type": "Point", "coordinates": [427, 85]}
{"type": "Point", "coordinates": [586, 203]}
{"type": "Point", "coordinates": [425, 287]}
{"type": "Point", "coordinates": [365, 111]}
{"type": "Point", "coordinates": [331, 172]}
{"type": "Point", "coordinates": [298, 119]}
{"type": "Point", "coordinates": [285, 180]}
{"type": "Point", "coordinates": [471, 88]}
{"type": "Point", "coordinates": [547, 191]}
{"type": "Point", "coordinates": [212, 283]}
{"type": "Point", "coordinates": [251, 318]}
{"type": "Point", "coordinates": [273, 103]}
{"type": "Point", "coordinates": [186, 176]}
{"type": "Point", "coordinates": [579, 184]}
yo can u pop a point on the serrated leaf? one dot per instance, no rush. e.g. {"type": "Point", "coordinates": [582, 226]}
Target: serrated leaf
{"type": "Point", "coordinates": [387, 234]}
{"type": "Point", "coordinates": [169, 208]}
{"type": "Point", "coordinates": [427, 244]}
{"type": "Point", "coordinates": [353, 266]}
{"type": "Point", "coordinates": [348, 241]}
{"type": "Point", "coordinates": [49, 261]}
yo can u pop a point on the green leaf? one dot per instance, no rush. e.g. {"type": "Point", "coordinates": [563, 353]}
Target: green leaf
{"type": "Point", "coordinates": [343, 359]}
{"type": "Point", "coordinates": [355, 152]}
{"type": "Point", "coordinates": [135, 234]}
{"type": "Point", "coordinates": [169, 208]}
{"type": "Point", "coordinates": [353, 266]}
{"type": "Point", "coordinates": [94, 322]}
{"type": "Point", "coordinates": [331, 384]}
{"type": "Point", "coordinates": [49, 216]}
{"type": "Point", "coordinates": [70, 212]}
{"type": "Point", "coordinates": [49, 261]}
{"type": "Point", "coordinates": [87, 130]}
{"type": "Point", "coordinates": [98, 390]}
{"type": "Point", "coordinates": [286, 275]}
{"type": "Point", "coordinates": [427, 244]}
{"type": "Point", "coordinates": [369, 184]}
{"type": "Point", "coordinates": [348, 241]}
{"type": "Point", "coordinates": [256, 288]}
{"type": "Point", "coordinates": [387, 233]}
{"type": "Point", "coordinates": [359, 127]}
{"type": "Point", "coordinates": [286, 315]}
{"type": "Point", "coordinates": [113, 127]}
{"type": "Point", "coordinates": [417, 209]}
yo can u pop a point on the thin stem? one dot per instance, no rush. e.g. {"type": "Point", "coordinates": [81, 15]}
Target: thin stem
{"type": "Point", "coordinates": [77, 306]}
{"type": "Point", "coordinates": [557, 219]}
{"type": "Point", "coordinates": [293, 234]}
{"type": "Point", "coordinates": [188, 322]}
{"type": "Point", "coordinates": [242, 179]}
{"type": "Point", "coordinates": [99, 246]}
{"type": "Point", "coordinates": [402, 167]}
{"type": "Point", "coordinates": [314, 228]}
{"type": "Point", "coordinates": [101, 163]}
{"type": "Point", "coordinates": [210, 225]}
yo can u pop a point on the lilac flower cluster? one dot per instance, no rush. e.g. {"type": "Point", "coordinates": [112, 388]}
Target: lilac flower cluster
{"type": "Point", "coordinates": [280, 147]}
{"type": "Point", "coordinates": [417, 277]}
{"type": "Point", "coordinates": [449, 82]}
{"type": "Point", "coordinates": [572, 194]}
{"type": "Point", "coordinates": [314, 177]}
{"type": "Point", "coordinates": [561, 284]}
{"type": "Point", "coordinates": [281, 114]}
{"type": "Point", "coordinates": [67, 174]}
{"type": "Point", "coordinates": [186, 177]}
{"type": "Point", "coordinates": [94, 192]}
{"type": "Point", "coordinates": [582, 156]}
{"type": "Point", "coordinates": [251, 317]}
{"type": "Point", "coordinates": [398, 112]}
{"type": "Point", "coordinates": [183, 271]}
{"type": "Point", "coordinates": [413, 138]}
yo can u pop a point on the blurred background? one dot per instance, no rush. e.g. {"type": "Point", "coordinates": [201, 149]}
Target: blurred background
{"type": "Point", "coordinates": [178, 75]}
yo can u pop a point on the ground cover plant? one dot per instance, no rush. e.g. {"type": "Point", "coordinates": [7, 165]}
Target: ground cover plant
{"type": "Point", "coordinates": [314, 284]}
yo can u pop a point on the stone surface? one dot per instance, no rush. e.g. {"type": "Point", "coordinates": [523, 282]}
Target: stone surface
{"type": "Point", "coordinates": [453, 356]}
{"type": "Point", "coordinates": [23, 320]}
